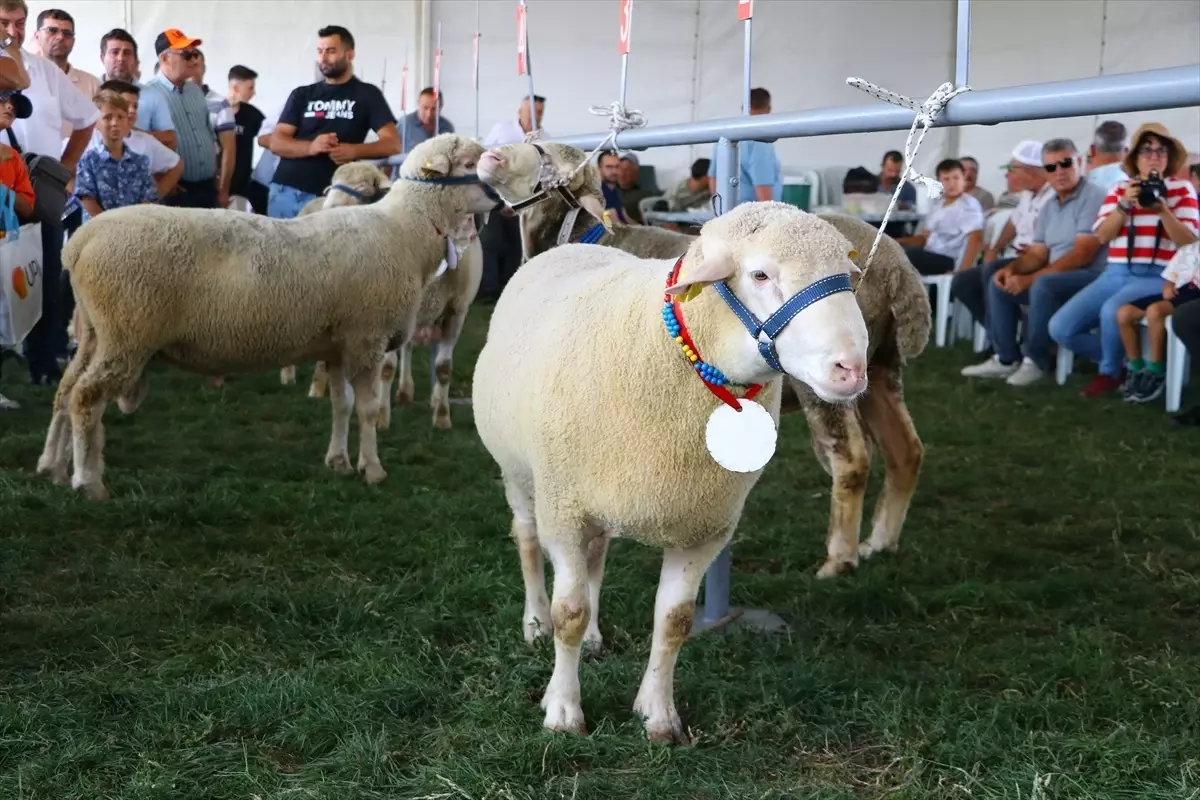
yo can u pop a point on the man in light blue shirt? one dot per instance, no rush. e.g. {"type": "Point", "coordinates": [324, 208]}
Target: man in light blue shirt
{"type": "Point", "coordinates": [1105, 155]}
{"type": "Point", "coordinates": [759, 173]}
{"type": "Point", "coordinates": [418, 126]}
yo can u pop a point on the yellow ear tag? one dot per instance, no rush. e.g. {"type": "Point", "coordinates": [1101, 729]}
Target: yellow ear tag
{"type": "Point", "coordinates": [692, 293]}
{"type": "Point", "coordinates": [853, 254]}
{"type": "Point", "coordinates": [428, 165]}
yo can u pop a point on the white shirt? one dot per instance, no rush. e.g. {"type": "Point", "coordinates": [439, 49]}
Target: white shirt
{"type": "Point", "coordinates": [55, 101]}
{"type": "Point", "coordinates": [950, 225]}
{"type": "Point", "coordinates": [508, 132]}
{"type": "Point", "coordinates": [85, 82]}
{"type": "Point", "coordinates": [162, 158]}
{"type": "Point", "coordinates": [1024, 216]}
{"type": "Point", "coordinates": [264, 170]}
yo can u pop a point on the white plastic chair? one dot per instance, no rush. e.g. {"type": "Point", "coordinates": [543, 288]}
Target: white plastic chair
{"type": "Point", "coordinates": [943, 330]}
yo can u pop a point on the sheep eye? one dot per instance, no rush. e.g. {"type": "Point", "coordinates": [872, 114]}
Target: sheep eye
{"type": "Point", "coordinates": [471, 165]}
{"type": "Point", "coordinates": [759, 276]}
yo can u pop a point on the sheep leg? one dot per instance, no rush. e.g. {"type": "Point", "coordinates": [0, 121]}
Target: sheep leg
{"type": "Point", "coordinates": [887, 419]}
{"type": "Point", "coordinates": [104, 379]}
{"type": "Point", "coordinates": [537, 620]}
{"type": "Point", "coordinates": [366, 402]}
{"type": "Point", "coordinates": [597, 551]}
{"type": "Point", "coordinates": [387, 373]}
{"type": "Point", "coordinates": [843, 448]}
{"type": "Point", "coordinates": [443, 363]}
{"type": "Point", "coordinates": [320, 379]}
{"type": "Point", "coordinates": [56, 455]}
{"type": "Point", "coordinates": [129, 402]}
{"type": "Point", "coordinates": [287, 375]}
{"type": "Point", "coordinates": [674, 609]}
{"type": "Point", "coordinates": [404, 389]}
{"type": "Point", "coordinates": [569, 612]}
{"type": "Point", "coordinates": [337, 457]}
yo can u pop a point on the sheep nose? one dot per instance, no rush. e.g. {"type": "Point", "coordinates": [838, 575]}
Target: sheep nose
{"type": "Point", "coordinates": [492, 156]}
{"type": "Point", "coordinates": [849, 372]}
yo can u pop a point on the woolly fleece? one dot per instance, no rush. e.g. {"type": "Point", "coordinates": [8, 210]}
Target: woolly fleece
{"type": "Point", "coordinates": [580, 392]}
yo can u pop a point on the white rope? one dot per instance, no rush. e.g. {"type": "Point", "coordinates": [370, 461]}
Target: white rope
{"type": "Point", "coordinates": [927, 114]}
{"type": "Point", "coordinates": [619, 119]}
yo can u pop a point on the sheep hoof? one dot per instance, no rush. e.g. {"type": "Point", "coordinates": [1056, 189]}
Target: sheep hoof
{"type": "Point", "coordinates": [404, 396]}
{"type": "Point", "coordinates": [593, 645]}
{"type": "Point", "coordinates": [57, 471]}
{"type": "Point", "coordinates": [535, 629]}
{"type": "Point", "coordinates": [373, 473]}
{"type": "Point", "coordinates": [873, 546]}
{"type": "Point", "coordinates": [563, 716]}
{"type": "Point", "coordinates": [287, 376]}
{"type": "Point", "coordinates": [832, 569]}
{"type": "Point", "coordinates": [316, 389]}
{"type": "Point", "coordinates": [339, 463]}
{"type": "Point", "coordinates": [662, 722]}
{"type": "Point", "coordinates": [93, 491]}
{"type": "Point", "coordinates": [441, 418]}
{"type": "Point", "coordinates": [385, 420]}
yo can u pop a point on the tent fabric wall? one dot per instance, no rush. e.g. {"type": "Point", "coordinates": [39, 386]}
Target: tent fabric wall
{"type": "Point", "coordinates": [686, 61]}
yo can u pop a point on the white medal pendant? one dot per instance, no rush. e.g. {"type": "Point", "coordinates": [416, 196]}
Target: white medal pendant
{"type": "Point", "coordinates": [451, 259]}
{"type": "Point", "coordinates": [741, 441]}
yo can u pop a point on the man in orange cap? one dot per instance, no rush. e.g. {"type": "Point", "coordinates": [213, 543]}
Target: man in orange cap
{"type": "Point", "coordinates": [188, 108]}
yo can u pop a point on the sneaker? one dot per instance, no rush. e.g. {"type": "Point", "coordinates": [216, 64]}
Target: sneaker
{"type": "Point", "coordinates": [8, 405]}
{"type": "Point", "coordinates": [992, 368]}
{"type": "Point", "coordinates": [1149, 388]}
{"type": "Point", "coordinates": [1132, 385]}
{"type": "Point", "coordinates": [1027, 373]}
{"type": "Point", "coordinates": [1103, 384]}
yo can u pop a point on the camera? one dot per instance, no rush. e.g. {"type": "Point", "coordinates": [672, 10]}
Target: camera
{"type": "Point", "coordinates": [1152, 189]}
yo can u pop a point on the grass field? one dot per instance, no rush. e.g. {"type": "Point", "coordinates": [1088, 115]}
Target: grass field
{"type": "Point", "coordinates": [240, 623]}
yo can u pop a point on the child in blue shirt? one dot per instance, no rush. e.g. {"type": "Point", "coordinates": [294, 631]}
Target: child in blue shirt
{"type": "Point", "coordinates": [113, 176]}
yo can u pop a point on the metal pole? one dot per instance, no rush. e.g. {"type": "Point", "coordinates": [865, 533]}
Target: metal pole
{"type": "Point", "coordinates": [475, 68]}
{"type": "Point", "coordinates": [1150, 90]}
{"type": "Point", "coordinates": [533, 120]}
{"type": "Point", "coordinates": [746, 70]}
{"type": "Point", "coordinates": [437, 98]}
{"type": "Point", "coordinates": [962, 50]}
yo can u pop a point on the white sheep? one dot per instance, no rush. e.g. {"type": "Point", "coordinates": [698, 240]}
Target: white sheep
{"type": "Point", "coordinates": [596, 414]}
{"type": "Point", "coordinates": [890, 294]}
{"type": "Point", "coordinates": [353, 184]}
{"type": "Point", "coordinates": [220, 292]}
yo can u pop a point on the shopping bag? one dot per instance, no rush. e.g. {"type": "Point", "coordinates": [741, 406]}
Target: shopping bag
{"type": "Point", "coordinates": [21, 273]}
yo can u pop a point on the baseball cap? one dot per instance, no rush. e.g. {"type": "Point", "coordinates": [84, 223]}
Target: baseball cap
{"type": "Point", "coordinates": [1029, 153]}
{"type": "Point", "coordinates": [22, 108]}
{"type": "Point", "coordinates": [174, 39]}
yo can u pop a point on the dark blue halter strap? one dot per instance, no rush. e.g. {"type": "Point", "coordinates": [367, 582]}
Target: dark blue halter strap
{"type": "Point", "coordinates": [592, 234]}
{"type": "Point", "coordinates": [362, 197]}
{"type": "Point", "coordinates": [458, 180]}
{"type": "Point", "coordinates": [775, 323]}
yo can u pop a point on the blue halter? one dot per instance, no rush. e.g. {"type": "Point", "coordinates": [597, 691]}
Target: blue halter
{"type": "Point", "coordinates": [775, 323]}
{"type": "Point", "coordinates": [361, 197]}
{"type": "Point", "coordinates": [458, 180]}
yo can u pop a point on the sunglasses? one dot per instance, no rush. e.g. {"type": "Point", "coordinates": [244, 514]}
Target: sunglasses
{"type": "Point", "coordinates": [1065, 163]}
{"type": "Point", "coordinates": [1147, 150]}
{"type": "Point", "coordinates": [189, 55]}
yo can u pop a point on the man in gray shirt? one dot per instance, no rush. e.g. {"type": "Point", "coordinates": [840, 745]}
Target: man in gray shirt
{"type": "Point", "coordinates": [1064, 257]}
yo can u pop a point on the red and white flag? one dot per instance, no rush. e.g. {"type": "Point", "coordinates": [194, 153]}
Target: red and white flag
{"type": "Point", "coordinates": [522, 37]}
{"type": "Point", "coordinates": [745, 9]}
{"type": "Point", "coordinates": [625, 27]}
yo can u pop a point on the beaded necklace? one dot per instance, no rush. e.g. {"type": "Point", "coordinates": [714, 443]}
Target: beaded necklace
{"type": "Point", "coordinates": [712, 377]}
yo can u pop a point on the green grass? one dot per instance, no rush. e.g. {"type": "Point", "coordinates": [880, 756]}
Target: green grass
{"type": "Point", "coordinates": [238, 622]}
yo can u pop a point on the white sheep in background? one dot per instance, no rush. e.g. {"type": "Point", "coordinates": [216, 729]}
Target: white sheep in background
{"type": "Point", "coordinates": [219, 292]}
{"type": "Point", "coordinates": [597, 417]}
{"type": "Point", "coordinates": [890, 294]}
{"type": "Point", "coordinates": [352, 184]}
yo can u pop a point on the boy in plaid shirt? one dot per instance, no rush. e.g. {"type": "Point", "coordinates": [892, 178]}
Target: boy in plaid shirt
{"type": "Point", "coordinates": [113, 176]}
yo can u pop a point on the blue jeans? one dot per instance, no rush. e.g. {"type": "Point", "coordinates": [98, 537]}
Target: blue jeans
{"type": "Point", "coordinates": [1044, 296]}
{"type": "Point", "coordinates": [285, 202]}
{"type": "Point", "coordinates": [1096, 305]}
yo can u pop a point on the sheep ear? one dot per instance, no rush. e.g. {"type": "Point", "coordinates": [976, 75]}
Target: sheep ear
{"type": "Point", "coordinates": [714, 262]}
{"type": "Point", "coordinates": [437, 166]}
{"type": "Point", "coordinates": [593, 206]}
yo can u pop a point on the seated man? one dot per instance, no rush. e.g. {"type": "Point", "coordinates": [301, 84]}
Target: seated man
{"type": "Point", "coordinates": [1063, 257]}
{"type": "Point", "coordinates": [692, 191]}
{"type": "Point", "coordinates": [952, 232]}
{"type": "Point", "coordinates": [631, 190]}
{"type": "Point", "coordinates": [1025, 172]}
{"type": "Point", "coordinates": [610, 175]}
{"type": "Point", "coordinates": [889, 176]}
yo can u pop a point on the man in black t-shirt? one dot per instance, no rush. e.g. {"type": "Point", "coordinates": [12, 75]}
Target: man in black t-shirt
{"type": "Point", "coordinates": [247, 120]}
{"type": "Point", "coordinates": [324, 125]}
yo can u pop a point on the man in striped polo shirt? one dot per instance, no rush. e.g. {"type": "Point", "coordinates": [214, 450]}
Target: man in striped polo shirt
{"type": "Point", "coordinates": [188, 107]}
